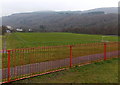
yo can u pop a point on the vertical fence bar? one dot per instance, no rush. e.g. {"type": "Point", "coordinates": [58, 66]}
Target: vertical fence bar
{"type": "Point", "coordinates": [3, 64]}
{"type": "Point", "coordinates": [70, 55]}
{"type": "Point", "coordinates": [15, 69]}
{"type": "Point", "coordinates": [8, 65]}
{"type": "Point", "coordinates": [105, 57]}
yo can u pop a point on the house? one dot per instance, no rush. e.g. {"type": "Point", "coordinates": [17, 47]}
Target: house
{"type": "Point", "coordinates": [9, 29]}
{"type": "Point", "coordinates": [30, 30]}
{"type": "Point", "coordinates": [19, 30]}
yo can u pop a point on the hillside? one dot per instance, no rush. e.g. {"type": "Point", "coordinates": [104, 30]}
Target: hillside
{"type": "Point", "coordinates": [106, 10]}
{"type": "Point", "coordinates": [66, 21]}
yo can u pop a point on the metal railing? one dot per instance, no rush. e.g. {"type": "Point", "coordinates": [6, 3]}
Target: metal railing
{"type": "Point", "coordinates": [28, 62]}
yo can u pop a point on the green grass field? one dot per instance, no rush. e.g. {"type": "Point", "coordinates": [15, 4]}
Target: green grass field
{"type": "Point", "coordinates": [0, 42]}
{"type": "Point", "coordinates": [0, 49]}
{"type": "Point", "coordinates": [23, 40]}
{"type": "Point", "coordinates": [89, 44]}
{"type": "Point", "coordinates": [100, 72]}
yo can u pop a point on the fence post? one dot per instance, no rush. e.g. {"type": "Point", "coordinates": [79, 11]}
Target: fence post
{"type": "Point", "coordinates": [105, 57]}
{"type": "Point", "coordinates": [8, 65]}
{"type": "Point", "coordinates": [70, 55]}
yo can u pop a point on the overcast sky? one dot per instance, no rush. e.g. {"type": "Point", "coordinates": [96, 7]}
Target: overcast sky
{"type": "Point", "coordinates": [17, 6]}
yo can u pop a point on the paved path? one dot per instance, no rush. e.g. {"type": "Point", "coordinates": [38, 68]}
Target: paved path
{"type": "Point", "coordinates": [44, 66]}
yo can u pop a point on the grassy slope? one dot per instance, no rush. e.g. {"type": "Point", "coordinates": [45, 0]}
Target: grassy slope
{"type": "Point", "coordinates": [20, 40]}
{"type": "Point", "coordinates": [100, 72]}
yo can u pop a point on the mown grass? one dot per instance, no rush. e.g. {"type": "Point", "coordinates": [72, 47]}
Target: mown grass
{"type": "Point", "coordinates": [23, 40]}
{"type": "Point", "coordinates": [0, 52]}
{"type": "Point", "coordinates": [90, 44]}
{"type": "Point", "coordinates": [100, 72]}
{"type": "Point", "coordinates": [0, 42]}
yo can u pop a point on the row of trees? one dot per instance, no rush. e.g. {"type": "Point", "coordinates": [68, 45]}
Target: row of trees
{"type": "Point", "coordinates": [103, 31]}
{"type": "Point", "coordinates": [75, 23]}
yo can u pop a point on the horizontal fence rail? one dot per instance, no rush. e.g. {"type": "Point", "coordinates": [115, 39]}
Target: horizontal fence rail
{"type": "Point", "coordinates": [28, 62]}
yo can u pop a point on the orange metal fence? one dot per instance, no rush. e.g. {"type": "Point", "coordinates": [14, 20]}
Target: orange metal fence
{"type": "Point", "coordinates": [28, 62]}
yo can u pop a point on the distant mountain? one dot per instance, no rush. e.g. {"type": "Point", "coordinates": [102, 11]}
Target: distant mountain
{"type": "Point", "coordinates": [68, 21]}
{"type": "Point", "coordinates": [0, 21]}
{"type": "Point", "coordinates": [106, 10]}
